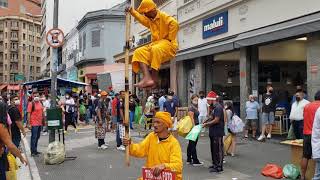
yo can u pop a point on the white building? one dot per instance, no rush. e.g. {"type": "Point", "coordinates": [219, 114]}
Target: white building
{"type": "Point", "coordinates": [70, 54]}
{"type": "Point", "coordinates": [46, 25]}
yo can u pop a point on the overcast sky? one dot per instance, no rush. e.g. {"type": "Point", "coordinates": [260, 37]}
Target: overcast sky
{"type": "Point", "coordinates": [71, 11]}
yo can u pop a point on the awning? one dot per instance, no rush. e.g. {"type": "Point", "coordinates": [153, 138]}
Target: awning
{"type": "Point", "coordinates": [297, 27]}
{"type": "Point", "coordinates": [60, 82]}
{"type": "Point", "coordinates": [13, 87]}
{"type": "Point", "coordinates": [3, 86]}
{"type": "Point", "coordinates": [212, 48]}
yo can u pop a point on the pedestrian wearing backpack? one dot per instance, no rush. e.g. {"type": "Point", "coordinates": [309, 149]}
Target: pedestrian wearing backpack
{"type": "Point", "coordinates": [35, 120]}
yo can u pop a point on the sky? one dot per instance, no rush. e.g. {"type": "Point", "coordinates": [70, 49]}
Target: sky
{"type": "Point", "coordinates": [71, 11]}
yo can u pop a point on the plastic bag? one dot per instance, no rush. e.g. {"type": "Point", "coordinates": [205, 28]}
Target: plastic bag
{"type": "Point", "coordinates": [137, 114]}
{"type": "Point", "coordinates": [82, 109]}
{"type": "Point", "coordinates": [55, 153]}
{"type": "Point", "coordinates": [272, 170]}
{"type": "Point", "coordinates": [236, 125]}
{"type": "Point", "coordinates": [291, 135]}
{"type": "Point", "coordinates": [291, 171]}
{"type": "Point", "coordinates": [227, 143]}
{"type": "Point", "coordinates": [184, 126]}
{"type": "Point", "coordinates": [194, 133]}
{"type": "Point", "coordinates": [13, 167]}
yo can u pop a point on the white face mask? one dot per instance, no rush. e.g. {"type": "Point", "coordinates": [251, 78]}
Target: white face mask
{"type": "Point", "coordinates": [36, 99]}
{"type": "Point", "coordinates": [194, 102]}
{"type": "Point", "coordinates": [17, 102]}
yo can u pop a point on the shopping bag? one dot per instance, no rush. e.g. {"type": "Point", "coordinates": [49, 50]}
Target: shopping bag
{"type": "Point", "coordinates": [137, 114]}
{"type": "Point", "coordinates": [227, 143]}
{"type": "Point", "coordinates": [291, 171]}
{"type": "Point", "coordinates": [184, 126]}
{"type": "Point", "coordinates": [236, 125]}
{"type": "Point", "coordinates": [100, 131]}
{"type": "Point", "coordinates": [11, 174]}
{"type": "Point", "coordinates": [194, 133]}
{"type": "Point", "coordinates": [272, 170]}
{"type": "Point", "coordinates": [291, 135]}
{"type": "Point", "coordinates": [142, 119]}
{"type": "Point", "coordinates": [55, 153]}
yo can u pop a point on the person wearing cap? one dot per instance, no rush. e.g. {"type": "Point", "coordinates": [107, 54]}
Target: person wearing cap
{"type": "Point", "coordinates": [216, 131]}
{"type": "Point", "coordinates": [160, 148]}
{"type": "Point", "coordinates": [102, 110]}
{"type": "Point", "coordinates": [164, 45]}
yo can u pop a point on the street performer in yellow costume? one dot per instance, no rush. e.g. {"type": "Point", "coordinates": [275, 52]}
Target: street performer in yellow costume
{"type": "Point", "coordinates": [163, 47]}
{"type": "Point", "coordinates": [161, 149]}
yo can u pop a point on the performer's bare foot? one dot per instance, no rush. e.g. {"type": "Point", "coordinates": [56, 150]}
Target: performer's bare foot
{"type": "Point", "coordinates": [145, 83]}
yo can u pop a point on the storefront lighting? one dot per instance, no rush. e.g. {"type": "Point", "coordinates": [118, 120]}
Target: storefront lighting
{"type": "Point", "coordinates": [302, 39]}
{"type": "Point", "coordinates": [229, 80]}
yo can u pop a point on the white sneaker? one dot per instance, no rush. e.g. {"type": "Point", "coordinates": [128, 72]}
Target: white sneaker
{"type": "Point", "coordinates": [121, 148]}
{"type": "Point", "coordinates": [44, 133]}
{"type": "Point", "coordinates": [269, 136]}
{"type": "Point", "coordinates": [261, 137]}
{"type": "Point", "coordinates": [198, 164]}
{"type": "Point", "coordinates": [104, 147]}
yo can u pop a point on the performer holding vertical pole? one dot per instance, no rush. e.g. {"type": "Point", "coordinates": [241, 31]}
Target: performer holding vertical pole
{"type": "Point", "coordinates": [163, 47]}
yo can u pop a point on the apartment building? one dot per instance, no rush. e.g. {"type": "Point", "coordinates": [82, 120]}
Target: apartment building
{"type": "Point", "coordinates": [19, 42]}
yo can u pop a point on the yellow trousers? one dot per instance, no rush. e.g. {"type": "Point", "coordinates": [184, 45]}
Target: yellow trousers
{"type": "Point", "coordinates": [153, 54]}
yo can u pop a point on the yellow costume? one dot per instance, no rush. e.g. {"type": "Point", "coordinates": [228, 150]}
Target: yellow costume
{"type": "Point", "coordinates": [164, 45]}
{"type": "Point", "coordinates": [167, 152]}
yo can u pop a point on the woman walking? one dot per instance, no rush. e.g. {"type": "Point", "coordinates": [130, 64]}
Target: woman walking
{"type": "Point", "coordinates": [193, 112]}
{"type": "Point", "coordinates": [230, 113]}
{"type": "Point", "coordinates": [69, 113]}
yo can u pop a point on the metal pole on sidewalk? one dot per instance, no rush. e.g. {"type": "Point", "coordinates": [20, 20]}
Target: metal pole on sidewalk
{"type": "Point", "coordinates": [54, 66]}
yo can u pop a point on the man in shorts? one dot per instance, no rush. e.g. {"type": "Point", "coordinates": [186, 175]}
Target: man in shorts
{"type": "Point", "coordinates": [308, 116]}
{"type": "Point", "coordinates": [252, 108]}
{"type": "Point", "coordinates": [269, 102]}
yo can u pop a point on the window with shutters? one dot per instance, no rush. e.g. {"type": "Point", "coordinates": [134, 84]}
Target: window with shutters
{"type": "Point", "coordinates": [84, 40]}
{"type": "Point", "coordinates": [95, 36]}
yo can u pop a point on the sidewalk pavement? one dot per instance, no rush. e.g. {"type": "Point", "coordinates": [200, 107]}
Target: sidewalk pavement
{"type": "Point", "coordinates": [95, 164]}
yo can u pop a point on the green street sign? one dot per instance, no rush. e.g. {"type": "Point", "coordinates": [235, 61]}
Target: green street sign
{"type": "Point", "coordinates": [19, 77]}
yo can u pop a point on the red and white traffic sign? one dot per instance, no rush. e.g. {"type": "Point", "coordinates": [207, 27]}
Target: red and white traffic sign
{"type": "Point", "coordinates": [55, 38]}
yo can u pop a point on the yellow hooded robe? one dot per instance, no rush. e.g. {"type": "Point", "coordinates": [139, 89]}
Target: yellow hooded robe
{"type": "Point", "coordinates": [164, 45]}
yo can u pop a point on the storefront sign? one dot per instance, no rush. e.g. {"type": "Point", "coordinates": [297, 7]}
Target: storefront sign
{"type": "Point", "coordinates": [215, 25]}
{"type": "Point", "coordinates": [165, 175]}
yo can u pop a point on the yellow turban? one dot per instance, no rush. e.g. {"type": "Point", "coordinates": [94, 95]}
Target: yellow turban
{"type": "Point", "coordinates": [165, 117]}
{"type": "Point", "coordinates": [146, 6]}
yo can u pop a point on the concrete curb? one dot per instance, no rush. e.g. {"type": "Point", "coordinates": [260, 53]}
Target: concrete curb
{"type": "Point", "coordinates": [33, 169]}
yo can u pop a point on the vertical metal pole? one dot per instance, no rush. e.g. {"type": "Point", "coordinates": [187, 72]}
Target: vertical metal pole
{"type": "Point", "coordinates": [127, 49]}
{"type": "Point", "coordinates": [54, 66]}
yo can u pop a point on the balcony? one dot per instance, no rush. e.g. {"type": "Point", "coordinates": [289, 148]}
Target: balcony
{"type": "Point", "coordinates": [14, 39]}
{"type": "Point", "coordinates": [15, 28]}
{"type": "Point", "coordinates": [14, 71]}
{"type": "Point", "coordinates": [14, 60]}
{"type": "Point", "coordinates": [14, 49]}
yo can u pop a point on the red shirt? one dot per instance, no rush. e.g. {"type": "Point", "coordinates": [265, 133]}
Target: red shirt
{"type": "Point", "coordinates": [36, 116]}
{"type": "Point", "coordinates": [114, 107]}
{"type": "Point", "coordinates": [309, 113]}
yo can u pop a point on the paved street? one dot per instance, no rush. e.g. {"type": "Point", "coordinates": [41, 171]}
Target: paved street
{"type": "Point", "coordinates": [109, 164]}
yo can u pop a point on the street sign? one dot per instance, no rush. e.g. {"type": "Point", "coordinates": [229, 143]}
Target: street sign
{"type": "Point", "coordinates": [165, 175]}
{"type": "Point", "coordinates": [19, 77]}
{"type": "Point", "coordinates": [55, 38]}
{"type": "Point", "coordinates": [54, 118]}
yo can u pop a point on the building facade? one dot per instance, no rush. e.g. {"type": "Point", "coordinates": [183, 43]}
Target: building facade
{"type": "Point", "coordinates": [237, 47]}
{"type": "Point", "coordinates": [19, 43]}
{"type": "Point", "coordinates": [70, 54]}
{"type": "Point", "coordinates": [101, 35]}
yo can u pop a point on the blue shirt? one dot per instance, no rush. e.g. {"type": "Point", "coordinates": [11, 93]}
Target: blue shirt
{"type": "Point", "coordinates": [161, 102]}
{"type": "Point", "coordinates": [170, 107]}
{"type": "Point", "coordinates": [252, 109]}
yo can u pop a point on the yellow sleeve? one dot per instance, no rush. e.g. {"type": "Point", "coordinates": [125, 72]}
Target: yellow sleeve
{"type": "Point", "coordinates": [140, 150]}
{"type": "Point", "coordinates": [175, 159]}
{"type": "Point", "coordinates": [141, 18]}
{"type": "Point", "coordinates": [173, 29]}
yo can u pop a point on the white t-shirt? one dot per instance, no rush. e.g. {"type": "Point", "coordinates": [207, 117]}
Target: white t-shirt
{"type": "Point", "coordinates": [46, 105]}
{"type": "Point", "coordinates": [70, 101]}
{"type": "Point", "coordinates": [203, 107]}
{"type": "Point", "coordinates": [297, 110]}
